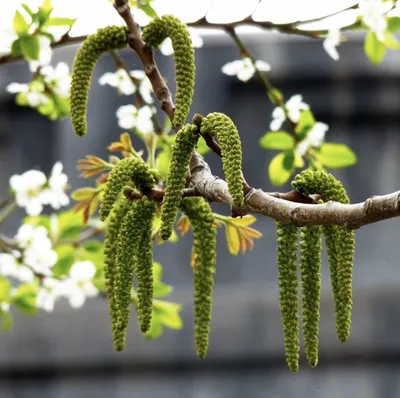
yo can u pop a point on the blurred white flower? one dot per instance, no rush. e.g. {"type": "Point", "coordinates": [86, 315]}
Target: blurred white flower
{"type": "Point", "coordinates": [130, 117]}
{"type": "Point", "coordinates": [45, 54]}
{"type": "Point", "coordinates": [244, 68]}
{"type": "Point", "coordinates": [166, 46]}
{"type": "Point", "coordinates": [28, 189]}
{"type": "Point", "coordinates": [10, 266]}
{"type": "Point", "coordinates": [5, 307]}
{"type": "Point", "coordinates": [120, 80]}
{"type": "Point", "coordinates": [79, 284]}
{"type": "Point", "coordinates": [6, 39]}
{"type": "Point", "coordinates": [55, 195]}
{"type": "Point", "coordinates": [373, 16]}
{"type": "Point", "coordinates": [33, 93]}
{"type": "Point", "coordinates": [48, 294]}
{"type": "Point", "coordinates": [294, 107]}
{"type": "Point", "coordinates": [315, 138]}
{"type": "Point", "coordinates": [57, 78]}
{"type": "Point", "coordinates": [145, 87]}
{"type": "Point", "coordinates": [332, 40]}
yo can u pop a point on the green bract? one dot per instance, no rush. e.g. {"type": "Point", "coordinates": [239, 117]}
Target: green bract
{"type": "Point", "coordinates": [185, 142]}
{"type": "Point", "coordinates": [105, 39]}
{"type": "Point", "coordinates": [125, 171]}
{"type": "Point", "coordinates": [201, 218]}
{"type": "Point", "coordinates": [154, 34]}
{"type": "Point", "coordinates": [220, 125]}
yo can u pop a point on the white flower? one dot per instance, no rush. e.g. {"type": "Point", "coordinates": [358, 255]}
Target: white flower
{"type": "Point", "coordinates": [28, 189]}
{"type": "Point", "coordinates": [50, 291]}
{"type": "Point", "coordinates": [294, 107]}
{"type": "Point", "coordinates": [6, 39]}
{"type": "Point", "coordinates": [79, 285]}
{"type": "Point", "coordinates": [45, 54]}
{"type": "Point", "coordinates": [33, 94]}
{"type": "Point", "coordinates": [166, 46]}
{"type": "Point", "coordinates": [315, 138]}
{"type": "Point", "coordinates": [244, 68]}
{"type": "Point", "coordinates": [130, 117]}
{"type": "Point", "coordinates": [55, 195]}
{"type": "Point", "coordinates": [332, 40]}
{"type": "Point", "coordinates": [5, 307]}
{"type": "Point", "coordinates": [120, 80]}
{"type": "Point", "coordinates": [9, 266]}
{"type": "Point", "coordinates": [57, 78]}
{"type": "Point", "coordinates": [145, 87]}
{"type": "Point", "coordinates": [373, 16]}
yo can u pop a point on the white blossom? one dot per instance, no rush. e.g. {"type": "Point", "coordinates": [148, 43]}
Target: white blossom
{"type": "Point", "coordinates": [294, 107]}
{"type": "Point", "coordinates": [48, 294]}
{"type": "Point", "coordinates": [315, 138]}
{"type": "Point", "coordinates": [28, 189]}
{"type": "Point", "coordinates": [145, 87]}
{"type": "Point", "coordinates": [33, 93]}
{"type": "Point", "coordinates": [57, 78]}
{"type": "Point", "coordinates": [332, 40]}
{"type": "Point", "coordinates": [166, 46]}
{"type": "Point", "coordinates": [55, 195]}
{"type": "Point", "coordinates": [4, 306]}
{"type": "Point", "coordinates": [45, 54]}
{"type": "Point", "coordinates": [11, 267]}
{"type": "Point", "coordinates": [6, 39]}
{"type": "Point", "coordinates": [79, 284]}
{"type": "Point", "coordinates": [120, 80]}
{"type": "Point", "coordinates": [244, 68]}
{"type": "Point", "coordinates": [130, 117]}
{"type": "Point", "coordinates": [372, 13]}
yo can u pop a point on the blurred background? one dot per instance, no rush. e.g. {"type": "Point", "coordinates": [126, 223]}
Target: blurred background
{"type": "Point", "coordinates": [69, 353]}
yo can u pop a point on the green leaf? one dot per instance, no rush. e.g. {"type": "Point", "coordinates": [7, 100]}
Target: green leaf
{"type": "Point", "coordinates": [66, 257]}
{"type": "Point", "coordinates": [307, 120]}
{"type": "Point", "coordinates": [336, 155]}
{"type": "Point", "coordinates": [6, 320]}
{"type": "Point", "coordinates": [30, 47]}
{"type": "Point", "coordinates": [5, 290]}
{"type": "Point", "coordinates": [86, 193]}
{"type": "Point", "coordinates": [298, 161]}
{"type": "Point", "coordinates": [44, 11]}
{"type": "Point", "coordinates": [57, 21]}
{"type": "Point", "coordinates": [160, 288]}
{"type": "Point", "coordinates": [93, 246]}
{"type": "Point", "coordinates": [163, 161]}
{"type": "Point", "coordinates": [202, 147]}
{"type": "Point", "coordinates": [38, 221]}
{"type": "Point", "coordinates": [168, 313]}
{"type": "Point", "coordinates": [275, 96]}
{"type": "Point", "coordinates": [70, 224]}
{"type": "Point", "coordinates": [391, 41]}
{"type": "Point", "coordinates": [28, 10]}
{"type": "Point", "coordinates": [276, 170]}
{"type": "Point", "coordinates": [374, 49]}
{"type": "Point", "coordinates": [288, 160]}
{"type": "Point", "coordinates": [25, 299]}
{"type": "Point", "coordinates": [149, 10]}
{"type": "Point", "coordinates": [393, 24]}
{"type": "Point", "coordinates": [16, 49]}
{"type": "Point", "coordinates": [19, 24]}
{"type": "Point", "coordinates": [156, 329]}
{"type": "Point", "coordinates": [277, 140]}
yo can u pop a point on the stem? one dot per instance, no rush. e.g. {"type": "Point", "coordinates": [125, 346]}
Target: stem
{"type": "Point", "coordinates": [7, 211]}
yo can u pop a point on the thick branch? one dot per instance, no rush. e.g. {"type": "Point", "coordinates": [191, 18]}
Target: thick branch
{"type": "Point", "coordinates": [276, 206]}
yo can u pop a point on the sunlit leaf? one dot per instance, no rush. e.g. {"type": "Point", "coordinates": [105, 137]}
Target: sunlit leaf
{"type": "Point", "coordinates": [84, 193]}
{"type": "Point", "coordinates": [374, 48]}
{"type": "Point", "coordinates": [5, 289]}
{"type": "Point", "coordinates": [30, 47]}
{"type": "Point", "coordinates": [57, 21]}
{"type": "Point", "coordinates": [183, 224]}
{"type": "Point", "coordinates": [232, 239]}
{"type": "Point", "coordinates": [24, 299]}
{"type": "Point", "coordinates": [6, 320]}
{"type": "Point", "coordinates": [307, 120]}
{"type": "Point", "coordinates": [277, 140]}
{"type": "Point", "coordinates": [66, 254]}
{"type": "Point", "coordinates": [20, 26]}
{"type": "Point", "coordinates": [202, 148]}
{"type": "Point", "coordinates": [336, 155]}
{"type": "Point", "coordinates": [393, 24]}
{"type": "Point", "coordinates": [278, 174]}
{"type": "Point", "coordinates": [168, 313]}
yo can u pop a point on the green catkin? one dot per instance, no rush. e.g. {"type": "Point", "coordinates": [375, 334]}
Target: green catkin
{"type": "Point", "coordinates": [144, 268]}
{"type": "Point", "coordinates": [185, 142]}
{"type": "Point", "coordinates": [222, 126]}
{"type": "Point", "coordinates": [125, 171]}
{"type": "Point", "coordinates": [110, 252]}
{"type": "Point", "coordinates": [204, 233]}
{"type": "Point", "coordinates": [105, 39]}
{"type": "Point", "coordinates": [128, 256]}
{"type": "Point", "coordinates": [288, 291]}
{"type": "Point", "coordinates": [339, 242]}
{"type": "Point", "coordinates": [154, 34]}
{"type": "Point", "coordinates": [310, 273]}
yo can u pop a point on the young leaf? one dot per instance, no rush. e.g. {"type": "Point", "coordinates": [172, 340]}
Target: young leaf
{"type": "Point", "coordinates": [307, 120]}
{"type": "Point", "coordinates": [336, 155]}
{"type": "Point", "coordinates": [278, 174]}
{"type": "Point", "coordinates": [19, 24]}
{"type": "Point", "coordinates": [202, 147]}
{"type": "Point", "coordinates": [168, 313]}
{"type": "Point", "coordinates": [57, 21]}
{"type": "Point", "coordinates": [6, 320]}
{"type": "Point", "coordinates": [393, 24]}
{"type": "Point", "coordinates": [5, 289]}
{"type": "Point", "coordinates": [374, 49]}
{"type": "Point", "coordinates": [391, 41]}
{"type": "Point", "coordinates": [30, 47]}
{"type": "Point", "coordinates": [149, 10]}
{"type": "Point", "coordinates": [65, 258]}
{"type": "Point", "coordinates": [183, 225]}
{"type": "Point", "coordinates": [277, 140]}
{"type": "Point", "coordinates": [16, 49]}
{"type": "Point", "coordinates": [25, 299]}
{"type": "Point", "coordinates": [28, 10]}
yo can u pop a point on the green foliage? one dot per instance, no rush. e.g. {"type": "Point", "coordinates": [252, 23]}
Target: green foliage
{"type": "Point", "coordinates": [24, 299]}
{"type": "Point", "coordinates": [281, 168]}
{"type": "Point", "coordinates": [185, 142]}
{"type": "Point", "coordinates": [336, 155]}
{"type": "Point", "coordinates": [154, 34]}
{"type": "Point", "coordinates": [105, 39]}
{"type": "Point", "coordinates": [288, 295]}
{"type": "Point", "coordinates": [277, 140]}
{"type": "Point", "coordinates": [125, 171]}
{"type": "Point", "coordinates": [374, 48]}
{"type": "Point", "coordinates": [221, 126]}
{"type": "Point", "coordinates": [204, 235]}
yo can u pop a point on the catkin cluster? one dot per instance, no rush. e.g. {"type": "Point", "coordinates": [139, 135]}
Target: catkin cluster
{"type": "Point", "coordinates": [204, 234]}
{"type": "Point", "coordinates": [221, 126]}
{"type": "Point", "coordinates": [340, 247]}
{"type": "Point", "coordinates": [185, 141]}
{"type": "Point", "coordinates": [339, 242]}
{"type": "Point", "coordinates": [105, 39]}
{"type": "Point", "coordinates": [154, 34]}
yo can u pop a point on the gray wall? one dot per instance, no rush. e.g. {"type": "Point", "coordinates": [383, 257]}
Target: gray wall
{"type": "Point", "coordinates": [69, 353]}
